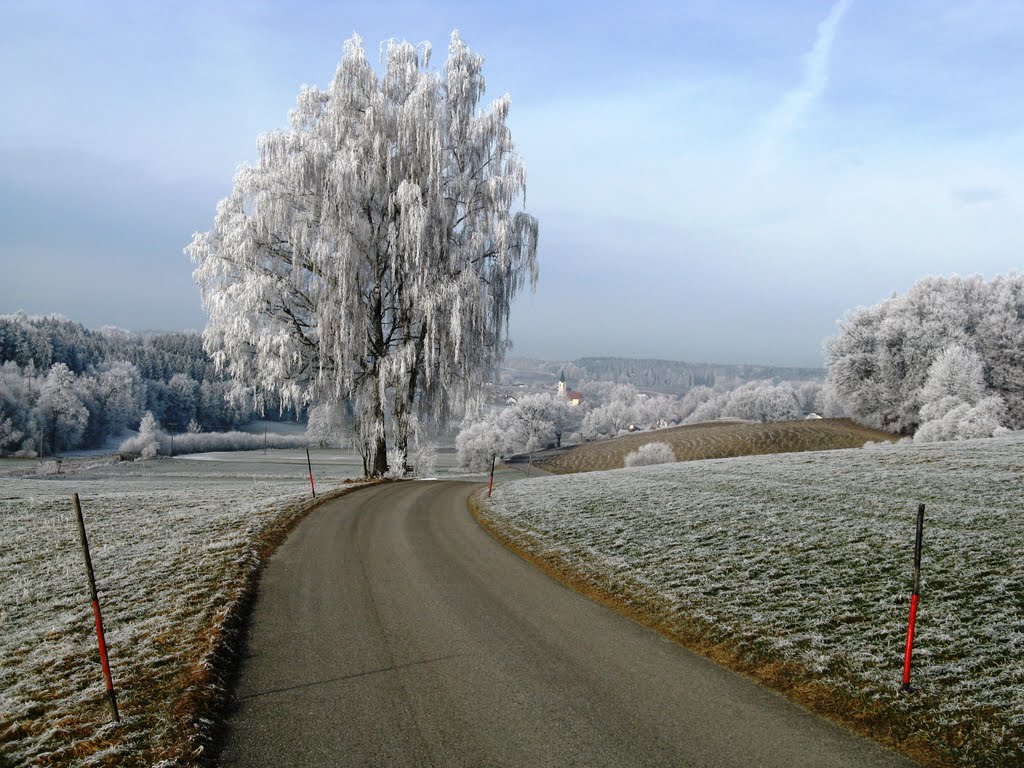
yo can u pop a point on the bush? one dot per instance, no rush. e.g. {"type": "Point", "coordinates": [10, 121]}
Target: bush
{"type": "Point", "coordinates": [651, 453]}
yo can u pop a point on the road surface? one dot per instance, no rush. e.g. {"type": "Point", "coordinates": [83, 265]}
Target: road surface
{"type": "Point", "coordinates": [390, 630]}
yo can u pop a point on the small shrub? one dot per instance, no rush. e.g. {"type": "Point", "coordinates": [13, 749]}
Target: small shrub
{"type": "Point", "coordinates": [651, 453]}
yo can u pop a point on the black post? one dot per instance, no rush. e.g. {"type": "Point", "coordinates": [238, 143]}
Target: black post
{"type": "Point", "coordinates": [905, 687]}
{"type": "Point", "coordinates": [490, 485]}
{"type": "Point", "coordinates": [97, 617]}
{"type": "Point", "coordinates": [310, 465]}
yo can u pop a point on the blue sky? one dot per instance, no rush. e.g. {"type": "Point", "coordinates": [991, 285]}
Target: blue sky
{"type": "Point", "coordinates": [714, 180]}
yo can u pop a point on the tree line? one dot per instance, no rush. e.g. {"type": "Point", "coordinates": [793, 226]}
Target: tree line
{"type": "Point", "coordinates": [64, 386]}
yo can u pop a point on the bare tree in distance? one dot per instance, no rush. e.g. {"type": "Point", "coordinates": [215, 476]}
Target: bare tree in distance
{"type": "Point", "coordinates": [373, 251]}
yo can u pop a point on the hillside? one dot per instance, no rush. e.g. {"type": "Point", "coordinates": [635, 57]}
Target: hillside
{"type": "Point", "coordinates": [719, 440]}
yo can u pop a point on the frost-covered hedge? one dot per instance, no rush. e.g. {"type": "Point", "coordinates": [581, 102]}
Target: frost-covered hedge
{"type": "Point", "coordinates": [152, 441]}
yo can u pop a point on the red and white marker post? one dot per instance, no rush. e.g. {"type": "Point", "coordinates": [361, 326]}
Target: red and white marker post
{"type": "Point", "coordinates": [97, 617]}
{"type": "Point", "coordinates": [905, 688]}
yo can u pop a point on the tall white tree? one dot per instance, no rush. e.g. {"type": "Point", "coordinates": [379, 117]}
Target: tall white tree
{"type": "Point", "coordinates": [374, 251]}
{"type": "Point", "coordinates": [59, 411]}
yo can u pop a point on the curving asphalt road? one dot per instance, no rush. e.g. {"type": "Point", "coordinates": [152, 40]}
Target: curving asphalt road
{"type": "Point", "coordinates": [390, 630]}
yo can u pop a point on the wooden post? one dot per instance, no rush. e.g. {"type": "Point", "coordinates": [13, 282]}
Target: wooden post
{"type": "Point", "coordinates": [310, 465]}
{"type": "Point", "coordinates": [905, 687]}
{"type": "Point", "coordinates": [97, 617]}
{"type": "Point", "coordinates": [490, 485]}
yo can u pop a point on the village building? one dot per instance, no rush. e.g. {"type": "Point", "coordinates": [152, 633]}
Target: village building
{"type": "Point", "coordinates": [571, 395]}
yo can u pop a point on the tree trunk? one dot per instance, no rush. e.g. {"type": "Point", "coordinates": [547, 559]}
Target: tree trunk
{"type": "Point", "coordinates": [379, 443]}
{"type": "Point", "coordinates": [405, 402]}
{"type": "Point", "coordinates": [380, 458]}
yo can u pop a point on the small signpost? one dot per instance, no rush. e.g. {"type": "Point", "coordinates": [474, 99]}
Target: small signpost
{"type": "Point", "coordinates": [101, 639]}
{"type": "Point", "coordinates": [905, 688]}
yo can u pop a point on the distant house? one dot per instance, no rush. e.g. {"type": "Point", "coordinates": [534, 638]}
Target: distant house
{"type": "Point", "coordinates": [571, 395]}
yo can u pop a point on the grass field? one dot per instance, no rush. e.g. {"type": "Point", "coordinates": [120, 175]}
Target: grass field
{"type": "Point", "coordinates": [175, 545]}
{"type": "Point", "coordinates": [717, 440]}
{"type": "Point", "coordinates": [796, 568]}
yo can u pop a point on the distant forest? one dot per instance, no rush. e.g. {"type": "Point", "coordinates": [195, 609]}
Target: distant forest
{"type": "Point", "coordinates": [678, 377]}
{"type": "Point", "coordinates": [64, 386]}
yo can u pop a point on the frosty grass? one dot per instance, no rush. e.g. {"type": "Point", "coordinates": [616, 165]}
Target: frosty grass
{"type": "Point", "coordinates": [808, 557]}
{"type": "Point", "coordinates": [172, 544]}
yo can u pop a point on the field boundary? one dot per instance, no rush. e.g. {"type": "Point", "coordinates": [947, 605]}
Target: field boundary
{"type": "Point", "coordinates": [643, 605]}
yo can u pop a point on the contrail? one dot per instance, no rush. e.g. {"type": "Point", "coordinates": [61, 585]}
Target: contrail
{"type": "Point", "coordinates": [796, 102]}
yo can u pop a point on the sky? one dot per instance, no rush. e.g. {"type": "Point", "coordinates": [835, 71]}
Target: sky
{"type": "Point", "coordinates": [715, 180]}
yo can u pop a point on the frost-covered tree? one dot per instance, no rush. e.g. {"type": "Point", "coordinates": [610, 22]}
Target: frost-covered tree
{"type": "Point", "coordinates": [614, 414]}
{"type": "Point", "coordinates": [59, 411]}
{"type": "Point", "coordinates": [10, 435]}
{"type": "Point", "coordinates": [18, 392]}
{"type": "Point", "coordinates": [478, 442]}
{"type": "Point", "coordinates": [373, 252]}
{"type": "Point", "coordinates": [114, 395]}
{"type": "Point", "coordinates": [695, 398]}
{"type": "Point", "coordinates": [954, 403]}
{"type": "Point", "coordinates": [147, 444]}
{"type": "Point", "coordinates": [537, 420]}
{"type": "Point", "coordinates": [326, 425]}
{"type": "Point", "coordinates": [879, 363]}
{"type": "Point", "coordinates": [958, 373]}
{"type": "Point", "coordinates": [532, 423]}
{"type": "Point", "coordinates": [763, 401]}
{"type": "Point", "coordinates": [182, 404]}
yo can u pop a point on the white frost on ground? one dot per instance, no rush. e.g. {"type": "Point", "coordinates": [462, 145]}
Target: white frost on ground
{"type": "Point", "coordinates": [171, 544]}
{"type": "Point", "coordinates": [808, 557]}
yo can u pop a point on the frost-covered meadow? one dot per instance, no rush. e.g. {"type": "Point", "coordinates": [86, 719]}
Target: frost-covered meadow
{"type": "Point", "coordinates": [175, 544]}
{"type": "Point", "coordinates": [804, 561]}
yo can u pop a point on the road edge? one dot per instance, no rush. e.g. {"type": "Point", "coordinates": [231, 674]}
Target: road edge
{"type": "Point", "coordinates": [211, 677]}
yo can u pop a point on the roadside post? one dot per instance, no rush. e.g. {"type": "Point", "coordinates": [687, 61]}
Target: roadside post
{"type": "Point", "coordinates": [98, 618]}
{"type": "Point", "coordinates": [490, 485]}
{"type": "Point", "coordinates": [905, 687]}
{"type": "Point", "coordinates": [310, 465]}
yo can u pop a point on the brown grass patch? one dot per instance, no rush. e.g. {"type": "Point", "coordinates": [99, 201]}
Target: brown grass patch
{"type": "Point", "coordinates": [720, 440]}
